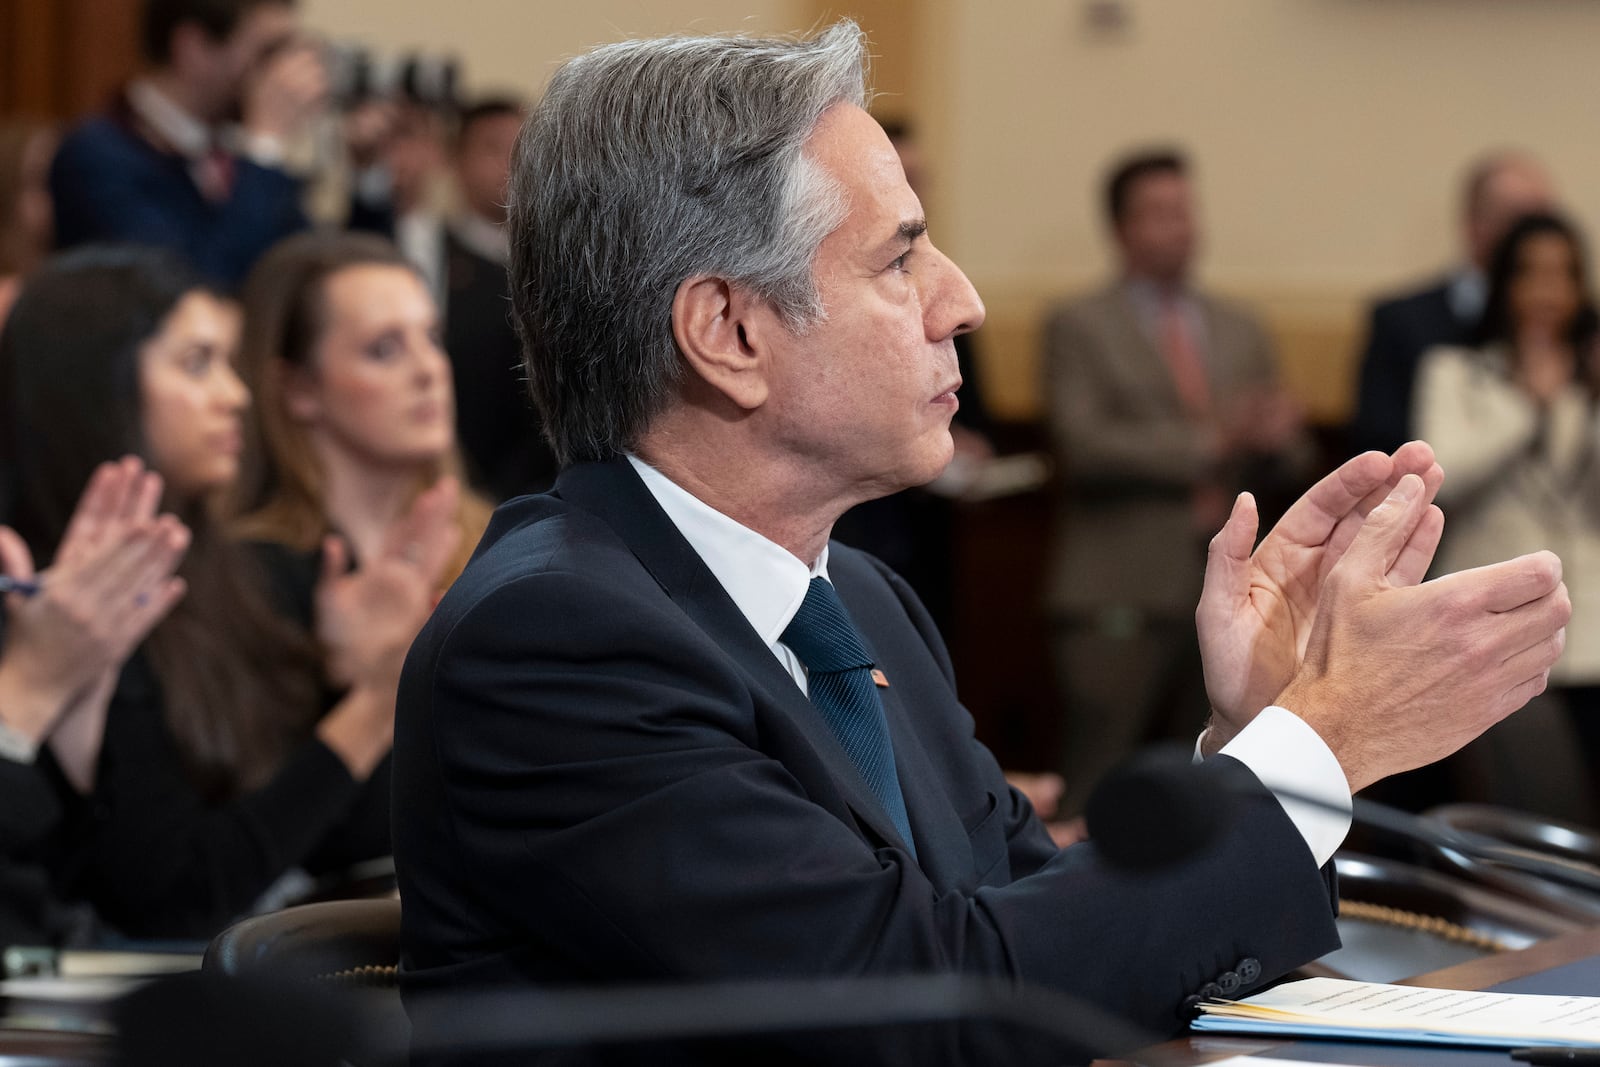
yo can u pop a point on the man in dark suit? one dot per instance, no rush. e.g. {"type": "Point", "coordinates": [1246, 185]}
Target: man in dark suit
{"type": "Point", "coordinates": [168, 164]}
{"type": "Point", "coordinates": [1500, 188]}
{"type": "Point", "coordinates": [500, 434]}
{"type": "Point", "coordinates": [662, 729]}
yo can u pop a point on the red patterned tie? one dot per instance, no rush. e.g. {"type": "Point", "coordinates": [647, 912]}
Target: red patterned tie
{"type": "Point", "coordinates": [214, 175]}
{"type": "Point", "coordinates": [1188, 370]}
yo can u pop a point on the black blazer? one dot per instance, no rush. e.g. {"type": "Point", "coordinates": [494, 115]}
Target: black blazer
{"type": "Point", "coordinates": [1402, 329]}
{"type": "Point", "coordinates": [603, 774]}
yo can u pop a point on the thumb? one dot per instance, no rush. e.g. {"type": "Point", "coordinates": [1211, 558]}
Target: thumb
{"type": "Point", "coordinates": [15, 559]}
{"type": "Point", "coordinates": [335, 561]}
{"type": "Point", "coordinates": [1227, 578]}
{"type": "Point", "coordinates": [1388, 529]}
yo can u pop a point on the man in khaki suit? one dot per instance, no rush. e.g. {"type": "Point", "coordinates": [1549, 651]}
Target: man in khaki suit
{"type": "Point", "coordinates": [1164, 403]}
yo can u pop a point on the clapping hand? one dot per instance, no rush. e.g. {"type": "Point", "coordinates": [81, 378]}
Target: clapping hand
{"type": "Point", "coordinates": [110, 583]}
{"type": "Point", "coordinates": [367, 617]}
{"type": "Point", "coordinates": [1257, 609]}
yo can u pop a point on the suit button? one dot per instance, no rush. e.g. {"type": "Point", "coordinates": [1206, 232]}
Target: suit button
{"type": "Point", "coordinates": [1189, 1008]}
{"type": "Point", "coordinates": [1229, 983]}
{"type": "Point", "coordinates": [1249, 970]}
{"type": "Point", "coordinates": [1209, 991]}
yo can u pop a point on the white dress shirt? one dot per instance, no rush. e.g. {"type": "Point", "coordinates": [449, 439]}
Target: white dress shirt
{"type": "Point", "coordinates": [767, 584]}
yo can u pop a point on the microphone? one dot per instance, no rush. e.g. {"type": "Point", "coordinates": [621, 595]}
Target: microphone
{"type": "Point", "coordinates": [1156, 810]}
{"type": "Point", "coordinates": [1153, 811]}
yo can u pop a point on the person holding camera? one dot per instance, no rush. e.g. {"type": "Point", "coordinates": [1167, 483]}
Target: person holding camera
{"type": "Point", "coordinates": [190, 156]}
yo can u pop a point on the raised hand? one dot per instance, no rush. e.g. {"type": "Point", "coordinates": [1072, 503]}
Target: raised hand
{"type": "Point", "coordinates": [366, 618]}
{"type": "Point", "coordinates": [1395, 674]}
{"type": "Point", "coordinates": [288, 90]}
{"type": "Point", "coordinates": [112, 580]}
{"type": "Point", "coordinates": [1257, 610]}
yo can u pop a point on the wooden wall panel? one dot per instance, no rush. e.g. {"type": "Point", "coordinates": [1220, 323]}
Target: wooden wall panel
{"type": "Point", "coordinates": [62, 58]}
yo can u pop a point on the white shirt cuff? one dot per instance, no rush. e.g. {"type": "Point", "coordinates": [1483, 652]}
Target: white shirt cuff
{"type": "Point", "coordinates": [17, 746]}
{"type": "Point", "coordinates": [1293, 762]}
{"type": "Point", "coordinates": [264, 150]}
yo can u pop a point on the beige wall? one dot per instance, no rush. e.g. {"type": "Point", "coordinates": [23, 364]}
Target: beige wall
{"type": "Point", "coordinates": [517, 44]}
{"type": "Point", "coordinates": [1329, 134]}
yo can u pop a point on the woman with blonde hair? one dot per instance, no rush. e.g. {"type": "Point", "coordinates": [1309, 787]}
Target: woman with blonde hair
{"type": "Point", "coordinates": [354, 412]}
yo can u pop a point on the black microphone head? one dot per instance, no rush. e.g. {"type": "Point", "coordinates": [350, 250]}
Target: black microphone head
{"type": "Point", "coordinates": [1155, 811]}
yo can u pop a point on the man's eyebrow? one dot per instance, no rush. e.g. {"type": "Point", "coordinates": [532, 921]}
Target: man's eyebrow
{"type": "Point", "coordinates": [911, 229]}
{"type": "Point", "coordinates": [907, 232]}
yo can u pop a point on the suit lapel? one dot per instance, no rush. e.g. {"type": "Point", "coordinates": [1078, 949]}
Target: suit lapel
{"type": "Point", "coordinates": [611, 491]}
{"type": "Point", "coordinates": [943, 851]}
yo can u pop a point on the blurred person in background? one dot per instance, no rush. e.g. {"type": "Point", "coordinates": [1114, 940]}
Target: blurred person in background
{"type": "Point", "coordinates": [1163, 402]}
{"type": "Point", "coordinates": [238, 743]}
{"type": "Point", "coordinates": [501, 433]}
{"type": "Point", "coordinates": [62, 643]}
{"type": "Point", "coordinates": [1512, 417]}
{"type": "Point", "coordinates": [1499, 188]}
{"type": "Point", "coordinates": [191, 156]}
{"type": "Point", "coordinates": [354, 413]}
{"type": "Point", "coordinates": [27, 226]}
{"type": "Point", "coordinates": [415, 158]}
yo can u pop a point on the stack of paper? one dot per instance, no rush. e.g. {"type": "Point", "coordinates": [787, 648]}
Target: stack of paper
{"type": "Point", "coordinates": [1329, 1007]}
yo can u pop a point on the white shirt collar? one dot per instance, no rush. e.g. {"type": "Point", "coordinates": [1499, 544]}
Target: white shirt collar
{"type": "Point", "coordinates": [1468, 293]}
{"type": "Point", "coordinates": [482, 237]}
{"type": "Point", "coordinates": [766, 582]}
{"type": "Point", "coordinates": [187, 134]}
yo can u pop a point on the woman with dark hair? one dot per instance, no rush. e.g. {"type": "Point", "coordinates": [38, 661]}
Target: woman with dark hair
{"type": "Point", "coordinates": [64, 634]}
{"type": "Point", "coordinates": [223, 764]}
{"type": "Point", "coordinates": [1513, 422]}
{"type": "Point", "coordinates": [355, 408]}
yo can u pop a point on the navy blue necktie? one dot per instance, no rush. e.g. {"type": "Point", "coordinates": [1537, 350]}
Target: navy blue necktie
{"type": "Point", "coordinates": [839, 678]}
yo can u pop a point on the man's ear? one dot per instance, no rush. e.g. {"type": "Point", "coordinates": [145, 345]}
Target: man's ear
{"type": "Point", "coordinates": [723, 332]}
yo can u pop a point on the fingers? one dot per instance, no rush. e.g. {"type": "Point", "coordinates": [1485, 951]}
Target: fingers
{"type": "Point", "coordinates": [427, 537]}
{"type": "Point", "coordinates": [1228, 559]}
{"type": "Point", "coordinates": [335, 560]}
{"type": "Point", "coordinates": [102, 497]}
{"type": "Point", "coordinates": [1509, 585]}
{"type": "Point", "coordinates": [1417, 556]}
{"type": "Point", "coordinates": [118, 494]}
{"type": "Point", "coordinates": [1389, 528]}
{"type": "Point", "coordinates": [144, 498]}
{"type": "Point", "coordinates": [130, 569]}
{"type": "Point", "coordinates": [1312, 519]}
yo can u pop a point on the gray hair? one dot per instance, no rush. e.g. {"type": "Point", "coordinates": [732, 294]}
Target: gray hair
{"type": "Point", "coordinates": [649, 162]}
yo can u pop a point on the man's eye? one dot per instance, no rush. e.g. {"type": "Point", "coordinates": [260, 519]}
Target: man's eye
{"type": "Point", "coordinates": [899, 262]}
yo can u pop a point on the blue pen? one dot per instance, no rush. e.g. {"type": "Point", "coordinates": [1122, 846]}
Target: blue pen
{"type": "Point", "coordinates": [21, 586]}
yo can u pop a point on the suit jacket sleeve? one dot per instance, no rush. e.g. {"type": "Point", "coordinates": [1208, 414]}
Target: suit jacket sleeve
{"type": "Point", "coordinates": [1383, 397]}
{"type": "Point", "coordinates": [605, 796]}
{"type": "Point", "coordinates": [1103, 444]}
